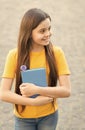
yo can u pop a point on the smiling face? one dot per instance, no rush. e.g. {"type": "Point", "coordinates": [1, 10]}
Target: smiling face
{"type": "Point", "coordinates": [41, 34]}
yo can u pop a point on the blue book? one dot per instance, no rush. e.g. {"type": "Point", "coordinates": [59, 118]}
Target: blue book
{"type": "Point", "coordinates": [35, 76]}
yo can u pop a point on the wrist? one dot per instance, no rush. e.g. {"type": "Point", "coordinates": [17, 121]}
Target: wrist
{"type": "Point", "coordinates": [40, 90]}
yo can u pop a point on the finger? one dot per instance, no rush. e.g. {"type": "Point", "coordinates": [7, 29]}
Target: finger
{"type": "Point", "coordinates": [21, 86]}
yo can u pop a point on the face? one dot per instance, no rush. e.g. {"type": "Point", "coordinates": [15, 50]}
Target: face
{"type": "Point", "coordinates": [42, 33]}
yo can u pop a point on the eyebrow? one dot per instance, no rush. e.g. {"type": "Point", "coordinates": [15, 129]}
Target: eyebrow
{"type": "Point", "coordinates": [45, 28]}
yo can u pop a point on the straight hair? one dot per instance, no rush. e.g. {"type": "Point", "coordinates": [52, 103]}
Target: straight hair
{"type": "Point", "coordinates": [31, 19]}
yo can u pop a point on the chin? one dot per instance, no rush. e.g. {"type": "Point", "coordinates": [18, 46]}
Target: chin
{"type": "Point", "coordinates": [47, 43]}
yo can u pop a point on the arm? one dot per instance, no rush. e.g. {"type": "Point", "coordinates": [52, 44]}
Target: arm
{"type": "Point", "coordinates": [61, 91]}
{"type": "Point", "coordinates": [8, 96]}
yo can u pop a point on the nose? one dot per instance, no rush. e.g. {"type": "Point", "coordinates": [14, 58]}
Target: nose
{"type": "Point", "coordinates": [48, 33]}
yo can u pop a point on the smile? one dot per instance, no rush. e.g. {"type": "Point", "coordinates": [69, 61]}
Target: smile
{"type": "Point", "coordinates": [46, 40]}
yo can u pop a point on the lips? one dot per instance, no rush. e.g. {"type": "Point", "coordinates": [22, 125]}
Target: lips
{"type": "Point", "coordinates": [46, 40]}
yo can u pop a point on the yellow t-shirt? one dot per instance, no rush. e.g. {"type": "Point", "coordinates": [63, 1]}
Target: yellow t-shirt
{"type": "Point", "coordinates": [37, 60]}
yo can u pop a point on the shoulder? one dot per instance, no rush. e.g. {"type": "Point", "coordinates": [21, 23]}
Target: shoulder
{"type": "Point", "coordinates": [57, 50]}
{"type": "Point", "coordinates": [61, 61]}
{"type": "Point", "coordinates": [13, 52]}
{"type": "Point", "coordinates": [12, 55]}
{"type": "Point", "coordinates": [10, 64]}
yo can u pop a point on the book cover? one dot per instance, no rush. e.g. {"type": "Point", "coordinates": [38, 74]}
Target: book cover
{"type": "Point", "coordinates": [35, 76]}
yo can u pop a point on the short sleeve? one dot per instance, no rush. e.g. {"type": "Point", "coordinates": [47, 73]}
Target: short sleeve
{"type": "Point", "coordinates": [61, 62]}
{"type": "Point", "coordinates": [10, 65]}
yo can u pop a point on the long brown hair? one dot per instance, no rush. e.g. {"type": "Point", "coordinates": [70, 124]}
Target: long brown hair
{"type": "Point", "coordinates": [31, 19]}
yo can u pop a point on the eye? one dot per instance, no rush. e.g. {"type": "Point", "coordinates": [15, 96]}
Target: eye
{"type": "Point", "coordinates": [42, 30]}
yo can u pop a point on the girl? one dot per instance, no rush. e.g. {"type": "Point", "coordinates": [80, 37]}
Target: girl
{"type": "Point", "coordinates": [35, 51]}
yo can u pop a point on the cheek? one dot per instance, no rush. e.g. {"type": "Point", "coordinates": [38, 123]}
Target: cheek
{"type": "Point", "coordinates": [37, 37]}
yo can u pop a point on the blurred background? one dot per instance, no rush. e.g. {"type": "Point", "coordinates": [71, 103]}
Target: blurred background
{"type": "Point", "coordinates": [68, 27]}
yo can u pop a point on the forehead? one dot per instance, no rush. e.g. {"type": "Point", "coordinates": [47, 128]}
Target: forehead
{"type": "Point", "coordinates": [44, 24]}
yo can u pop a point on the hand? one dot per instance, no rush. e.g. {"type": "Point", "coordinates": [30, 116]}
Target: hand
{"type": "Point", "coordinates": [28, 89]}
{"type": "Point", "coordinates": [42, 100]}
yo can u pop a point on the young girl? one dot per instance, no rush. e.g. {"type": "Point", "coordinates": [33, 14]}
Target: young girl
{"type": "Point", "coordinates": [35, 51]}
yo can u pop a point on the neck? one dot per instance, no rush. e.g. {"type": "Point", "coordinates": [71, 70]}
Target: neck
{"type": "Point", "coordinates": [37, 48]}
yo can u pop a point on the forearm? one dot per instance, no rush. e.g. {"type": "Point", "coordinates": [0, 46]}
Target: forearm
{"type": "Point", "coordinates": [55, 92]}
{"type": "Point", "coordinates": [14, 98]}
{"type": "Point", "coordinates": [61, 91]}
